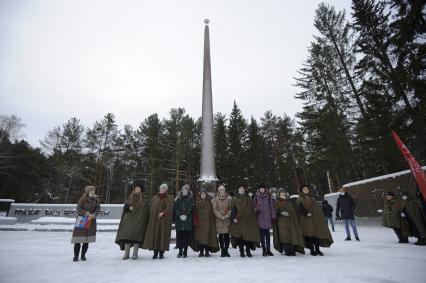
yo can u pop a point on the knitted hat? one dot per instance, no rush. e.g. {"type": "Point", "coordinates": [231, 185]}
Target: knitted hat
{"type": "Point", "coordinates": [87, 189]}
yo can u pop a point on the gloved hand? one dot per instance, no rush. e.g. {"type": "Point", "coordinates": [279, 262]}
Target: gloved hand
{"type": "Point", "coordinates": [235, 220]}
{"type": "Point", "coordinates": [131, 208]}
{"type": "Point", "coordinates": [309, 214]}
{"type": "Point", "coordinates": [402, 214]}
{"type": "Point", "coordinates": [183, 217]}
{"type": "Point", "coordinates": [284, 213]}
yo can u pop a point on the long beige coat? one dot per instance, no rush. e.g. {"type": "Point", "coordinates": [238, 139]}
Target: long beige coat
{"type": "Point", "coordinates": [222, 207]}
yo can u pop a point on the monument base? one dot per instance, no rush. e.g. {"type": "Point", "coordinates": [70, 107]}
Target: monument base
{"type": "Point", "coordinates": [209, 185]}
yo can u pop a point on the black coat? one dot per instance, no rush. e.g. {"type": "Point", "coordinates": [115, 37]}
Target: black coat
{"type": "Point", "coordinates": [345, 207]}
{"type": "Point", "coordinates": [327, 209]}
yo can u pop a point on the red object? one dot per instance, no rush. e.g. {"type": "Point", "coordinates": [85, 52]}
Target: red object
{"type": "Point", "coordinates": [415, 167]}
{"type": "Point", "coordinates": [88, 223]}
{"type": "Point", "coordinates": [195, 218]}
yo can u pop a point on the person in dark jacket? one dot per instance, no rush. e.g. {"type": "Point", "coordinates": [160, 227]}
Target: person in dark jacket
{"type": "Point", "coordinates": [345, 207]}
{"type": "Point", "coordinates": [184, 205]}
{"type": "Point", "coordinates": [328, 213]}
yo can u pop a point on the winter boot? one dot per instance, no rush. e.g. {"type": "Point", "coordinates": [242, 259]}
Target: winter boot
{"type": "Point", "coordinates": [269, 253]}
{"type": "Point", "coordinates": [180, 253]}
{"type": "Point", "coordinates": [135, 251]}
{"type": "Point", "coordinates": [226, 244]}
{"type": "Point", "coordinates": [201, 252]}
{"type": "Point", "coordinates": [264, 252]}
{"type": "Point", "coordinates": [207, 252]}
{"type": "Point", "coordinates": [248, 252]}
{"type": "Point", "coordinates": [76, 252]}
{"type": "Point", "coordinates": [420, 242]}
{"type": "Point", "coordinates": [155, 256]}
{"type": "Point", "coordinates": [161, 255]}
{"type": "Point", "coordinates": [185, 252]}
{"type": "Point", "coordinates": [126, 251]}
{"type": "Point", "coordinates": [357, 238]}
{"type": "Point", "coordinates": [317, 251]}
{"type": "Point", "coordinates": [348, 239]}
{"type": "Point", "coordinates": [241, 248]}
{"type": "Point", "coordinates": [84, 251]}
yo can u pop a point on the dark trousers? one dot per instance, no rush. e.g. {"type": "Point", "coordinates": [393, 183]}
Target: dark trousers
{"type": "Point", "coordinates": [312, 243]}
{"type": "Point", "coordinates": [242, 244]}
{"type": "Point", "coordinates": [265, 239]}
{"type": "Point", "coordinates": [182, 239]}
{"type": "Point", "coordinates": [224, 241]}
{"type": "Point", "coordinates": [83, 250]}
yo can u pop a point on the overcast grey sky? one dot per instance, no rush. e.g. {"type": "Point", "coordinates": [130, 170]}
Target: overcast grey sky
{"type": "Point", "coordinates": [61, 59]}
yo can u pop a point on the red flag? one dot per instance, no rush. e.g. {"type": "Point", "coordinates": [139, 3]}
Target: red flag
{"type": "Point", "coordinates": [415, 167]}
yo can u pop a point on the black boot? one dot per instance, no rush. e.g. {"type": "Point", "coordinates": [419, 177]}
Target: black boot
{"type": "Point", "coordinates": [264, 252]}
{"type": "Point", "coordinates": [222, 246]}
{"type": "Point", "coordinates": [76, 252]}
{"type": "Point", "coordinates": [269, 253]}
{"type": "Point", "coordinates": [248, 252]}
{"type": "Point", "coordinates": [348, 239]}
{"type": "Point", "coordinates": [185, 252]}
{"type": "Point", "coordinates": [226, 244]}
{"type": "Point", "coordinates": [201, 252]}
{"type": "Point", "coordinates": [84, 251]}
{"type": "Point", "coordinates": [357, 238]}
{"type": "Point", "coordinates": [207, 252]}
{"type": "Point", "coordinates": [180, 253]}
{"type": "Point", "coordinates": [241, 248]}
{"type": "Point", "coordinates": [161, 255]}
{"type": "Point", "coordinates": [155, 256]}
{"type": "Point", "coordinates": [317, 247]}
{"type": "Point", "coordinates": [420, 242]}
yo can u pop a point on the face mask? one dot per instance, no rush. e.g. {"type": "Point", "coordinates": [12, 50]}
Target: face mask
{"type": "Point", "coordinates": [404, 197]}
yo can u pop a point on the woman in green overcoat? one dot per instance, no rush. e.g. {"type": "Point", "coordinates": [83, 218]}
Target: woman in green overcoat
{"type": "Point", "coordinates": [312, 222]}
{"type": "Point", "coordinates": [159, 229]}
{"type": "Point", "coordinates": [288, 236]}
{"type": "Point", "coordinates": [244, 228]}
{"type": "Point", "coordinates": [205, 231]}
{"type": "Point", "coordinates": [134, 222]}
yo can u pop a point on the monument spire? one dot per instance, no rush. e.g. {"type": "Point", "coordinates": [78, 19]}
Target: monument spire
{"type": "Point", "coordinates": [207, 167]}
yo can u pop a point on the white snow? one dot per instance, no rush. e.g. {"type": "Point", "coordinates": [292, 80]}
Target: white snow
{"type": "Point", "coordinates": [67, 220]}
{"type": "Point", "coordinates": [393, 175]}
{"type": "Point", "coordinates": [28, 256]}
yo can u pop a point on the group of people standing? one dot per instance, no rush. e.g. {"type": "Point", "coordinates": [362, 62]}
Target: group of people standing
{"type": "Point", "coordinates": [405, 216]}
{"type": "Point", "coordinates": [209, 225]}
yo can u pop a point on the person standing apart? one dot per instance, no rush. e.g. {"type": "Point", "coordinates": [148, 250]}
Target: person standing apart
{"type": "Point", "coordinates": [88, 208]}
{"type": "Point", "coordinates": [345, 207]}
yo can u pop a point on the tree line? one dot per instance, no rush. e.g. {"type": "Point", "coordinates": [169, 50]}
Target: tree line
{"type": "Point", "coordinates": [363, 77]}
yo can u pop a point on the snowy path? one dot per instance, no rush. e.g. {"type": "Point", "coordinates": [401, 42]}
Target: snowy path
{"type": "Point", "coordinates": [29, 256]}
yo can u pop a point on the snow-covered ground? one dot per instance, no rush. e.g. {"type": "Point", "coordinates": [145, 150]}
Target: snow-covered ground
{"type": "Point", "coordinates": [30, 256]}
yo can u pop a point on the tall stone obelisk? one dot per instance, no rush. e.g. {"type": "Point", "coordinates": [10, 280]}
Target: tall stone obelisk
{"type": "Point", "coordinates": [207, 169]}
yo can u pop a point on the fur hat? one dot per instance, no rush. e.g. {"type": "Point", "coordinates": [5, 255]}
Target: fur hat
{"type": "Point", "coordinates": [87, 189]}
